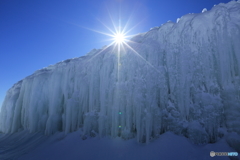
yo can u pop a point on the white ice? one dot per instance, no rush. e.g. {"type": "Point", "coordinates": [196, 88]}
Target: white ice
{"type": "Point", "coordinates": [182, 77]}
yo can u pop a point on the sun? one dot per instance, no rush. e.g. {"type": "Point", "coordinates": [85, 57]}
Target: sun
{"type": "Point", "coordinates": [119, 38]}
{"type": "Point", "coordinates": [119, 35]}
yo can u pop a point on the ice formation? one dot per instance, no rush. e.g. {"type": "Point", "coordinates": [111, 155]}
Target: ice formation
{"type": "Point", "coordinates": [204, 10]}
{"type": "Point", "coordinates": [182, 77]}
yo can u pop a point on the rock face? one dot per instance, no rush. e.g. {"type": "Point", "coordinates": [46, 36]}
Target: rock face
{"type": "Point", "coordinates": [182, 77]}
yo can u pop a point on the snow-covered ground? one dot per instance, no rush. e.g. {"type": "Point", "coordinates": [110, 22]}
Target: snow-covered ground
{"type": "Point", "coordinates": [72, 147]}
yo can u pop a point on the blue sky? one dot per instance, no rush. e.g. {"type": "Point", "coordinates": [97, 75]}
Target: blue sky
{"type": "Point", "coordinates": [37, 33]}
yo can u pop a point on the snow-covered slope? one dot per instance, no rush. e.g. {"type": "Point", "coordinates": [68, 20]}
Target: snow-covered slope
{"type": "Point", "coordinates": [182, 77]}
{"type": "Point", "coordinates": [72, 147]}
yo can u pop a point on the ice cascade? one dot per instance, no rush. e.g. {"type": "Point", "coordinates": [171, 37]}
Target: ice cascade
{"type": "Point", "coordinates": [182, 77]}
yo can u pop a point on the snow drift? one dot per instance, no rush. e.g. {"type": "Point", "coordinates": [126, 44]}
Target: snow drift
{"type": "Point", "coordinates": [182, 77]}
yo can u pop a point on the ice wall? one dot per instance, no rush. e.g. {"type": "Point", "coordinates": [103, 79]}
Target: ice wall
{"type": "Point", "coordinates": [183, 77]}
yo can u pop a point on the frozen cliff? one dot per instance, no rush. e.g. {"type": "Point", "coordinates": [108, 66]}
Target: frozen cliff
{"type": "Point", "coordinates": [182, 77]}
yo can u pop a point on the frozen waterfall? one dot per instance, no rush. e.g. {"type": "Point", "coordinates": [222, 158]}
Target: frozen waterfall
{"type": "Point", "coordinates": [182, 77]}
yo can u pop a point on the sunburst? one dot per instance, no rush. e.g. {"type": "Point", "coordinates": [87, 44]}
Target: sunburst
{"type": "Point", "coordinates": [120, 39]}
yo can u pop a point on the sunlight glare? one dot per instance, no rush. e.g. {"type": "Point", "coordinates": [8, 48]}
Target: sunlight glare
{"type": "Point", "coordinates": [119, 38]}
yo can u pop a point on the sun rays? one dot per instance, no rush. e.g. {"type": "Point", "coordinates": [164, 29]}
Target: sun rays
{"type": "Point", "coordinates": [120, 43]}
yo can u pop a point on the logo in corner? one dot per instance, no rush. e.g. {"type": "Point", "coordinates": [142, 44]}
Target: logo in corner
{"type": "Point", "coordinates": [212, 153]}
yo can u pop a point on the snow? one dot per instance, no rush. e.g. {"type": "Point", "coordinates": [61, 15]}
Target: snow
{"type": "Point", "coordinates": [178, 20]}
{"type": "Point", "coordinates": [204, 10]}
{"type": "Point", "coordinates": [180, 77]}
{"type": "Point", "coordinates": [72, 146]}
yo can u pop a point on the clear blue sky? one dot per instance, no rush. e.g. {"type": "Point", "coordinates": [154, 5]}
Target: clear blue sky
{"type": "Point", "coordinates": [37, 33]}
